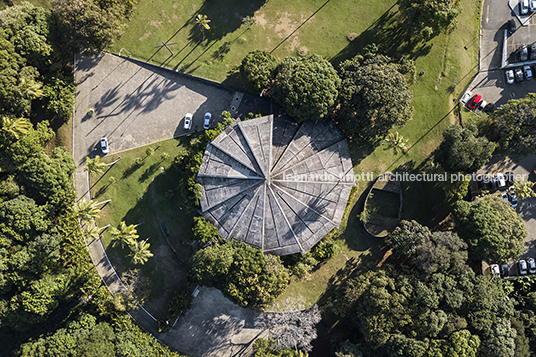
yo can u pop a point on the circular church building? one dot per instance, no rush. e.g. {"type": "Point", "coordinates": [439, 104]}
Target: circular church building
{"type": "Point", "coordinates": [275, 184]}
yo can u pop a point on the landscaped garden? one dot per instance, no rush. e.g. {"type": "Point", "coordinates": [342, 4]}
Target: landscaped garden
{"type": "Point", "coordinates": [443, 67]}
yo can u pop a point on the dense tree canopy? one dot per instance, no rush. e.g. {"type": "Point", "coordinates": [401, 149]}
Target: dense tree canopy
{"type": "Point", "coordinates": [257, 70]}
{"type": "Point", "coordinates": [306, 87]}
{"type": "Point", "coordinates": [427, 315]}
{"type": "Point", "coordinates": [462, 150]}
{"type": "Point", "coordinates": [515, 126]}
{"type": "Point", "coordinates": [244, 273]}
{"type": "Point", "coordinates": [429, 17]}
{"type": "Point", "coordinates": [204, 231]}
{"type": "Point", "coordinates": [430, 252]}
{"type": "Point", "coordinates": [90, 25]}
{"type": "Point", "coordinates": [492, 229]}
{"type": "Point", "coordinates": [374, 96]}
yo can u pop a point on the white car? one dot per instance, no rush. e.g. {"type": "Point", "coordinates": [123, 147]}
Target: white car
{"type": "Point", "coordinates": [501, 180]}
{"type": "Point", "coordinates": [466, 97]}
{"type": "Point", "coordinates": [532, 5]}
{"type": "Point", "coordinates": [104, 145]}
{"type": "Point", "coordinates": [522, 267]}
{"type": "Point", "coordinates": [495, 269]}
{"type": "Point", "coordinates": [524, 6]}
{"type": "Point", "coordinates": [481, 106]}
{"type": "Point", "coordinates": [188, 121]}
{"type": "Point", "coordinates": [510, 76]}
{"type": "Point", "coordinates": [532, 265]}
{"type": "Point", "coordinates": [206, 123]}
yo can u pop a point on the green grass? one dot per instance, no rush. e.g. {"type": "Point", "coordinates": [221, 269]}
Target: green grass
{"type": "Point", "coordinates": [444, 67]}
{"type": "Point", "coordinates": [139, 195]}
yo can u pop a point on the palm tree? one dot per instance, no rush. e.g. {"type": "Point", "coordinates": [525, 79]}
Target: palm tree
{"type": "Point", "coordinates": [16, 127]}
{"type": "Point", "coordinates": [87, 211]}
{"type": "Point", "coordinates": [95, 165]}
{"type": "Point", "coordinates": [92, 231]}
{"type": "Point", "coordinates": [202, 21]}
{"type": "Point", "coordinates": [30, 89]}
{"type": "Point", "coordinates": [125, 234]}
{"type": "Point", "coordinates": [140, 252]}
{"type": "Point", "coordinates": [396, 142]}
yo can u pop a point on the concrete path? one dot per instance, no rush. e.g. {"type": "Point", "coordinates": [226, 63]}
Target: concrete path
{"type": "Point", "coordinates": [138, 104]}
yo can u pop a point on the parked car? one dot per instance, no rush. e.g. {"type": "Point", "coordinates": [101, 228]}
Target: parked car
{"type": "Point", "coordinates": [513, 198]}
{"type": "Point", "coordinates": [206, 123]}
{"type": "Point", "coordinates": [532, 5]}
{"type": "Point", "coordinates": [509, 178]}
{"type": "Point", "coordinates": [104, 145]}
{"type": "Point", "coordinates": [532, 265]}
{"type": "Point", "coordinates": [501, 180]}
{"type": "Point", "coordinates": [505, 269]}
{"type": "Point", "coordinates": [524, 6]}
{"type": "Point", "coordinates": [522, 265]}
{"type": "Point", "coordinates": [490, 108]}
{"type": "Point", "coordinates": [509, 76]}
{"type": "Point", "coordinates": [519, 74]}
{"type": "Point", "coordinates": [511, 25]}
{"type": "Point", "coordinates": [495, 269]}
{"type": "Point", "coordinates": [188, 121]}
{"type": "Point", "coordinates": [481, 106]}
{"type": "Point", "coordinates": [523, 53]}
{"type": "Point", "coordinates": [528, 72]}
{"type": "Point", "coordinates": [466, 97]}
{"type": "Point", "coordinates": [504, 196]}
{"type": "Point", "coordinates": [473, 103]}
{"type": "Point", "coordinates": [532, 51]}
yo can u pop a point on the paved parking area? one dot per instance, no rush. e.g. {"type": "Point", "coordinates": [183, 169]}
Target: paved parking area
{"type": "Point", "coordinates": [490, 81]}
{"type": "Point", "coordinates": [526, 206]}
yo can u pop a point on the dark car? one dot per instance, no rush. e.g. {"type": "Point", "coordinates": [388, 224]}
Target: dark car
{"type": "Point", "coordinates": [511, 25]}
{"type": "Point", "coordinates": [473, 103]}
{"type": "Point", "coordinates": [532, 51]}
{"type": "Point", "coordinates": [509, 178]}
{"type": "Point", "coordinates": [490, 108]}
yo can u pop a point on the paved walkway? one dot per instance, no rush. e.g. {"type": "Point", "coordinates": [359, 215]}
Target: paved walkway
{"type": "Point", "coordinates": [138, 104]}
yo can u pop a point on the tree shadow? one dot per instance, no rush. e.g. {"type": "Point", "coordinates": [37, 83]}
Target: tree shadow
{"type": "Point", "coordinates": [393, 39]}
{"type": "Point", "coordinates": [225, 17]}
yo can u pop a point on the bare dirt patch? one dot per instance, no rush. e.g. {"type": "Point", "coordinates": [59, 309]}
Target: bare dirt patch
{"type": "Point", "coordinates": [261, 20]}
{"type": "Point", "coordinates": [155, 23]}
{"type": "Point", "coordinates": [145, 36]}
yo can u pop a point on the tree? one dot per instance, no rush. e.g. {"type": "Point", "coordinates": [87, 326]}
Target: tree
{"type": "Point", "coordinates": [257, 70]}
{"type": "Point", "coordinates": [140, 252]}
{"type": "Point", "coordinates": [93, 232]}
{"type": "Point", "coordinates": [514, 126]}
{"type": "Point", "coordinates": [16, 127]}
{"type": "Point", "coordinates": [205, 231]}
{"type": "Point", "coordinates": [58, 98]}
{"type": "Point", "coordinates": [430, 252]}
{"type": "Point", "coordinates": [203, 22]}
{"type": "Point", "coordinates": [524, 189]}
{"type": "Point", "coordinates": [492, 229]}
{"type": "Point", "coordinates": [429, 17]}
{"type": "Point", "coordinates": [396, 142]}
{"type": "Point", "coordinates": [125, 234]}
{"type": "Point", "coordinates": [374, 96]}
{"type": "Point", "coordinates": [245, 274]}
{"type": "Point", "coordinates": [462, 151]}
{"type": "Point", "coordinates": [90, 25]}
{"type": "Point", "coordinates": [87, 211]}
{"type": "Point", "coordinates": [30, 89]}
{"type": "Point", "coordinates": [306, 87]}
{"type": "Point", "coordinates": [94, 165]}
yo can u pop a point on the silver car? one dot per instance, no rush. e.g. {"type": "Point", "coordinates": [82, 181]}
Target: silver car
{"type": "Point", "coordinates": [104, 145]}
{"type": "Point", "coordinates": [524, 6]}
{"type": "Point", "coordinates": [532, 265]}
{"type": "Point", "coordinates": [509, 76]}
{"type": "Point", "coordinates": [522, 267]}
{"type": "Point", "coordinates": [206, 123]}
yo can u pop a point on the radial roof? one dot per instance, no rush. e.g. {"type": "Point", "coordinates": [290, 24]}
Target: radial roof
{"type": "Point", "coordinates": [275, 184]}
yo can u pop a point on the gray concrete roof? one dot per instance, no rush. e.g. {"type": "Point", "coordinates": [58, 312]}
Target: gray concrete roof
{"type": "Point", "coordinates": [275, 184]}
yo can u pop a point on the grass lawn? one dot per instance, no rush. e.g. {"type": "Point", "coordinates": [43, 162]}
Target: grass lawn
{"type": "Point", "coordinates": [444, 67]}
{"type": "Point", "coordinates": [143, 195]}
